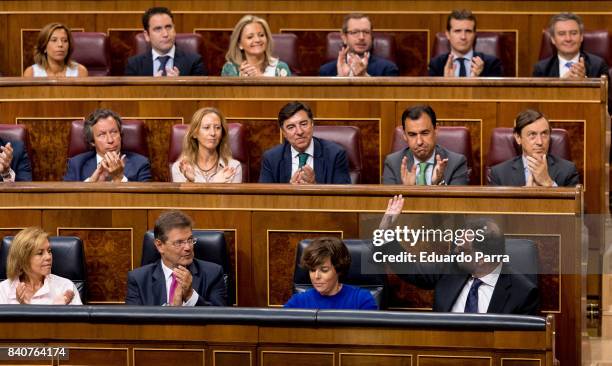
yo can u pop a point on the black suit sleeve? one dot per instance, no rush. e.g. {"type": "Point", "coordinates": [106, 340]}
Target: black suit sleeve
{"type": "Point", "coordinates": [573, 177]}
{"type": "Point", "coordinates": [495, 68]}
{"type": "Point", "coordinates": [198, 68]}
{"type": "Point", "coordinates": [434, 69]}
{"type": "Point", "coordinates": [21, 165]}
{"type": "Point", "coordinates": [391, 70]}
{"type": "Point", "coordinates": [265, 175]}
{"type": "Point", "coordinates": [494, 178]}
{"type": "Point", "coordinates": [538, 71]}
{"type": "Point", "coordinates": [216, 292]}
{"type": "Point", "coordinates": [531, 305]}
{"type": "Point", "coordinates": [341, 170]}
{"type": "Point", "coordinates": [133, 292]}
{"type": "Point", "coordinates": [460, 175]}
{"type": "Point", "coordinates": [130, 68]}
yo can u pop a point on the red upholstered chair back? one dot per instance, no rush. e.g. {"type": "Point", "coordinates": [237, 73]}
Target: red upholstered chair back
{"type": "Point", "coordinates": [188, 42]}
{"type": "Point", "coordinates": [486, 42]}
{"type": "Point", "coordinates": [383, 45]}
{"type": "Point", "coordinates": [349, 137]}
{"type": "Point", "coordinates": [92, 50]}
{"type": "Point", "coordinates": [133, 138]}
{"type": "Point", "coordinates": [454, 138]}
{"type": "Point", "coordinates": [286, 48]}
{"type": "Point", "coordinates": [10, 132]}
{"type": "Point", "coordinates": [596, 42]}
{"type": "Point", "coordinates": [504, 147]}
{"type": "Point", "coordinates": [237, 140]}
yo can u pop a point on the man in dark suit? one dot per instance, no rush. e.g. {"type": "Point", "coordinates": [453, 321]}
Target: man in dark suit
{"type": "Point", "coordinates": [423, 162]}
{"type": "Point", "coordinates": [535, 166]}
{"type": "Point", "coordinates": [354, 59]}
{"type": "Point", "coordinates": [463, 60]}
{"type": "Point", "coordinates": [484, 285]}
{"type": "Point", "coordinates": [163, 58]}
{"type": "Point", "coordinates": [302, 158]}
{"type": "Point", "coordinates": [566, 32]}
{"type": "Point", "coordinates": [177, 279]}
{"type": "Point", "coordinates": [105, 163]}
{"type": "Point", "coordinates": [14, 163]}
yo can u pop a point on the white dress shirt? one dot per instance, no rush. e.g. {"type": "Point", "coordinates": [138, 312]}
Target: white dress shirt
{"type": "Point", "coordinates": [429, 170]}
{"type": "Point", "coordinates": [468, 63]}
{"type": "Point", "coordinates": [485, 292]}
{"type": "Point", "coordinates": [157, 63]}
{"type": "Point", "coordinates": [295, 161]}
{"type": "Point", "coordinates": [563, 68]}
{"type": "Point", "coordinates": [168, 276]}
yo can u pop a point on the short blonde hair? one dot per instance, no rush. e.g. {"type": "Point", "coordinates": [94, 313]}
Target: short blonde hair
{"type": "Point", "coordinates": [40, 49]}
{"type": "Point", "coordinates": [22, 249]}
{"type": "Point", "coordinates": [234, 54]}
{"type": "Point", "coordinates": [191, 144]}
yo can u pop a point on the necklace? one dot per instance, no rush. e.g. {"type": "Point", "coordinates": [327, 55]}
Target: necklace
{"type": "Point", "coordinates": [206, 171]}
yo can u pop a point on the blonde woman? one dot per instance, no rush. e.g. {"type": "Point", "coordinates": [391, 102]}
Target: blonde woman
{"type": "Point", "coordinates": [207, 157]}
{"type": "Point", "coordinates": [250, 51]}
{"type": "Point", "coordinates": [52, 54]}
{"type": "Point", "coordinates": [28, 271]}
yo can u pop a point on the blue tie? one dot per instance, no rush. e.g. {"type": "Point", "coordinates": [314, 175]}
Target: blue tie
{"type": "Point", "coordinates": [471, 305]}
{"type": "Point", "coordinates": [163, 60]}
{"type": "Point", "coordinates": [569, 64]}
{"type": "Point", "coordinates": [462, 71]}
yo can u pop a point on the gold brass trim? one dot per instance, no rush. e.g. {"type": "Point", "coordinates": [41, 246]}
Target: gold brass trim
{"type": "Point", "coordinates": [300, 353]}
{"type": "Point", "coordinates": [502, 359]}
{"type": "Point", "coordinates": [268, 252]}
{"type": "Point", "coordinates": [446, 356]}
{"type": "Point", "coordinates": [340, 354]}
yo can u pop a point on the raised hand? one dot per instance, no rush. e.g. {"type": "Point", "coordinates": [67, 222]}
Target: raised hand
{"type": "Point", "coordinates": [438, 171]}
{"type": "Point", "coordinates": [449, 67]}
{"type": "Point", "coordinates": [408, 176]}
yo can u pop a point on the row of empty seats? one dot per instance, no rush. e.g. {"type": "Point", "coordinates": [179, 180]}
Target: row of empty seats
{"type": "Point", "coordinates": [455, 138]}
{"type": "Point", "coordinates": [92, 49]}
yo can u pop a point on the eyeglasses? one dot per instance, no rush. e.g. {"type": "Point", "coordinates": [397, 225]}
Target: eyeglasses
{"type": "Point", "coordinates": [365, 32]}
{"type": "Point", "coordinates": [179, 243]}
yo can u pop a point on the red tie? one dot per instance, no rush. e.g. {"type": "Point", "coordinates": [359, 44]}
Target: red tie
{"type": "Point", "coordinates": [173, 285]}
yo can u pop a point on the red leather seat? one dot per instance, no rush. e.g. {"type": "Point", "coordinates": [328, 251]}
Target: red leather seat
{"type": "Point", "coordinates": [133, 138]}
{"type": "Point", "coordinates": [383, 45]}
{"type": "Point", "coordinates": [188, 42]}
{"type": "Point", "coordinates": [237, 141]}
{"type": "Point", "coordinates": [504, 147]}
{"type": "Point", "coordinates": [596, 42]}
{"type": "Point", "coordinates": [349, 137]}
{"type": "Point", "coordinates": [454, 138]}
{"type": "Point", "coordinates": [286, 48]}
{"type": "Point", "coordinates": [486, 42]}
{"type": "Point", "coordinates": [92, 50]}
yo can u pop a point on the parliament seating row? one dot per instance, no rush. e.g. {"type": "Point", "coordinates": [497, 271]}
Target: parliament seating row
{"type": "Point", "coordinates": [454, 138]}
{"type": "Point", "coordinates": [92, 49]}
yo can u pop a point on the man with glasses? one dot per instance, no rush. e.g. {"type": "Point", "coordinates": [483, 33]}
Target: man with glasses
{"type": "Point", "coordinates": [106, 162]}
{"type": "Point", "coordinates": [535, 166]}
{"type": "Point", "coordinates": [177, 279]}
{"type": "Point", "coordinates": [354, 59]}
{"type": "Point", "coordinates": [163, 58]}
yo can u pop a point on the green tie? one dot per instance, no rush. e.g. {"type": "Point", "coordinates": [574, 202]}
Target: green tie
{"type": "Point", "coordinates": [421, 181]}
{"type": "Point", "coordinates": [303, 159]}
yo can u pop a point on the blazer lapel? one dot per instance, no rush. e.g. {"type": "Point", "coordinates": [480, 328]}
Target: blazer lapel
{"type": "Point", "coordinates": [518, 172]}
{"type": "Point", "coordinates": [552, 68]}
{"type": "Point", "coordinates": [450, 289]}
{"type": "Point", "coordinates": [285, 164]}
{"type": "Point", "coordinates": [179, 61]}
{"type": "Point", "coordinates": [148, 63]}
{"type": "Point", "coordinates": [159, 285]}
{"type": "Point", "coordinates": [89, 166]}
{"type": "Point", "coordinates": [500, 294]}
{"type": "Point", "coordinates": [320, 164]}
{"type": "Point", "coordinates": [196, 278]}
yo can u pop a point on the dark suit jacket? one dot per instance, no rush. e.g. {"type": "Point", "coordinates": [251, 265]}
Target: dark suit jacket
{"type": "Point", "coordinates": [20, 163]}
{"type": "Point", "coordinates": [330, 164]}
{"type": "Point", "coordinates": [377, 66]}
{"type": "Point", "coordinates": [189, 64]}
{"type": "Point", "coordinates": [456, 172]}
{"type": "Point", "coordinates": [514, 293]}
{"type": "Point", "coordinates": [82, 166]}
{"type": "Point", "coordinates": [511, 172]}
{"type": "Point", "coordinates": [549, 67]}
{"type": "Point", "coordinates": [492, 65]}
{"type": "Point", "coordinates": [147, 285]}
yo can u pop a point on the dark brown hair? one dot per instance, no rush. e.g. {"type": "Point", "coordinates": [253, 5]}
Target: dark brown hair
{"type": "Point", "coordinates": [170, 220]}
{"type": "Point", "coordinates": [40, 49]}
{"type": "Point", "coordinates": [460, 14]}
{"type": "Point", "coordinates": [527, 117]}
{"type": "Point", "coordinates": [353, 16]}
{"type": "Point", "coordinates": [327, 247]}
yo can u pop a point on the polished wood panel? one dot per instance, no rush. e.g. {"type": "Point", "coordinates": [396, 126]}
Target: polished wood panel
{"type": "Point", "coordinates": [374, 104]}
{"type": "Point", "coordinates": [168, 356]}
{"type": "Point", "coordinates": [267, 220]}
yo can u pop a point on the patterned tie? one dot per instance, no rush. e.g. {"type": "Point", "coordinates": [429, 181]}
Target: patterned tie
{"type": "Point", "coordinates": [173, 286]}
{"type": "Point", "coordinates": [462, 71]}
{"type": "Point", "coordinates": [471, 305]}
{"type": "Point", "coordinates": [569, 64]}
{"type": "Point", "coordinates": [421, 181]}
{"type": "Point", "coordinates": [163, 60]}
{"type": "Point", "coordinates": [303, 159]}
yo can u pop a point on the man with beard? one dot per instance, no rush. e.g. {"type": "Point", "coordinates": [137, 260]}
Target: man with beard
{"type": "Point", "coordinates": [476, 286]}
{"type": "Point", "coordinates": [355, 59]}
